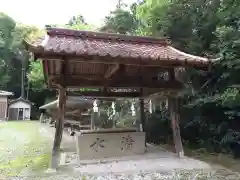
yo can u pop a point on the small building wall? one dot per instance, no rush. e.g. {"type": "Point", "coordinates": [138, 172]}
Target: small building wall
{"type": "Point", "coordinates": [21, 104]}
{"type": "Point", "coordinates": [3, 107]}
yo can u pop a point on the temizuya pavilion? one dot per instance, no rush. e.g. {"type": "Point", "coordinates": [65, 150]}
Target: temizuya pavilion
{"type": "Point", "coordinates": [75, 59]}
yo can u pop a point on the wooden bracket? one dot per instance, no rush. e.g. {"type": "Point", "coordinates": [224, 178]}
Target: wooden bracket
{"type": "Point", "coordinates": [111, 70]}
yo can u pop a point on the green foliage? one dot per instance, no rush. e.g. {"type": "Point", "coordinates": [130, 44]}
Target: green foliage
{"type": "Point", "coordinates": [76, 20]}
{"type": "Point", "coordinates": [36, 76]}
{"type": "Point", "coordinates": [7, 26]}
{"type": "Point", "coordinates": [205, 28]}
{"type": "Point", "coordinates": [152, 14]}
{"type": "Point", "coordinates": [120, 20]}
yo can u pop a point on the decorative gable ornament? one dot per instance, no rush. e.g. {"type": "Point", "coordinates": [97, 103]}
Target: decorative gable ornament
{"type": "Point", "coordinates": [133, 110]}
{"type": "Point", "coordinates": [95, 106]}
{"type": "Point", "coordinates": [114, 108]}
{"type": "Point", "coordinates": [150, 106]}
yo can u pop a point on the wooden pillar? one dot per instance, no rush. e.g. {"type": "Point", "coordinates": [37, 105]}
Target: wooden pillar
{"type": "Point", "coordinates": [173, 106]}
{"type": "Point", "coordinates": [142, 117]}
{"type": "Point", "coordinates": [59, 129]}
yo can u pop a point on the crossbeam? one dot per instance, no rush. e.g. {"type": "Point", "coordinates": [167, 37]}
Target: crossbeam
{"type": "Point", "coordinates": [105, 94]}
{"type": "Point", "coordinates": [124, 82]}
{"type": "Point", "coordinates": [164, 62]}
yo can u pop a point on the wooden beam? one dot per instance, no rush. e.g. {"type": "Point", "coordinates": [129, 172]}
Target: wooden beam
{"type": "Point", "coordinates": [124, 82]}
{"type": "Point", "coordinates": [105, 94]}
{"type": "Point", "coordinates": [164, 62]}
{"type": "Point", "coordinates": [111, 70]}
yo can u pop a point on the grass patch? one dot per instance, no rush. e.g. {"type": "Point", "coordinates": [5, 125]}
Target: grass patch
{"type": "Point", "coordinates": [33, 149]}
{"type": "Point", "coordinates": [21, 126]}
{"type": "Point", "coordinates": [15, 166]}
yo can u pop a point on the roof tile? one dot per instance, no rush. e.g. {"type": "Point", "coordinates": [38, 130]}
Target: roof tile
{"type": "Point", "coordinates": [113, 45]}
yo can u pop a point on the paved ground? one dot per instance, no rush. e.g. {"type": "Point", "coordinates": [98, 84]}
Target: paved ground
{"type": "Point", "coordinates": [25, 149]}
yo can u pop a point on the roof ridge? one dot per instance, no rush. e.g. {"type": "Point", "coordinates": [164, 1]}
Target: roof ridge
{"type": "Point", "coordinates": [106, 36]}
{"type": "Point", "coordinates": [20, 99]}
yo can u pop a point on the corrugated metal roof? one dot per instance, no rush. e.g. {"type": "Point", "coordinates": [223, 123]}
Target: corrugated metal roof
{"type": "Point", "coordinates": [5, 93]}
{"type": "Point", "coordinates": [71, 100]}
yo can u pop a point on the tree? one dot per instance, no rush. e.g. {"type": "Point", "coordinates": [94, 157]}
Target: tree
{"type": "Point", "coordinates": [205, 28]}
{"type": "Point", "coordinates": [120, 20]}
{"type": "Point", "coordinates": [7, 26]}
{"type": "Point", "coordinates": [36, 76]}
{"type": "Point", "coordinates": [153, 18]}
{"type": "Point", "coordinates": [76, 20]}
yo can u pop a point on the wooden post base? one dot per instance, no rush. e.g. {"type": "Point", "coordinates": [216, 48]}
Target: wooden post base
{"type": "Point", "coordinates": [49, 171]}
{"type": "Point", "coordinates": [181, 154]}
{"type": "Point", "coordinates": [174, 115]}
{"type": "Point", "coordinates": [55, 160]}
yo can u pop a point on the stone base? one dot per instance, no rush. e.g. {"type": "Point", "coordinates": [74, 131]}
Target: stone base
{"type": "Point", "coordinates": [50, 171]}
{"type": "Point", "coordinates": [106, 145]}
{"type": "Point", "coordinates": [63, 158]}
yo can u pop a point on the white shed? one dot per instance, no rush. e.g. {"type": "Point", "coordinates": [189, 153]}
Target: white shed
{"type": "Point", "coordinates": [19, 109]}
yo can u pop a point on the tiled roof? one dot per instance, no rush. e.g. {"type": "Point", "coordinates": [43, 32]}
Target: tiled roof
{"type": "Point", "coordinates": [82, 43]}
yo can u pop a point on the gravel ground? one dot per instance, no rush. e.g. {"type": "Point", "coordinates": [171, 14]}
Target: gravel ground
{"type": "Point", "coordinates": [17, 144]}
{"type": "Point", "coordinates": [181, 175]}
